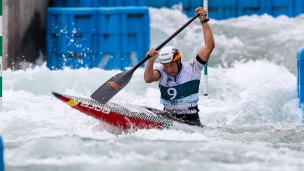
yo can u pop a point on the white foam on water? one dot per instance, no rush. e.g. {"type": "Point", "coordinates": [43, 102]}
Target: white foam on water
{"type": "Point", "coordinates": [252, 113]}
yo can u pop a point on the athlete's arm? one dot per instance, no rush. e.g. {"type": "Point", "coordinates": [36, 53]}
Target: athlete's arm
{"type": "Point", "coordinates": [150, 74]}
{"type": "Point", "coordinates": [205, 51]}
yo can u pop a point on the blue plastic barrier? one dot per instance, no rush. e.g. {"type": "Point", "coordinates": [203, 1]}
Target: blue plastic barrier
{"type": "Point", "coordinates": [187, 6]}
{"type": "Point", "coordinates": [300, 78]}
{"type": "Point", "coordinates": [123, 37]}
{"type": "Point", "coordinates": [60, 61]}
{"type": "Point", "coordinates": [96, 3]}
{"type": "Point", "coordinates": [108, 46]}
{"type": "Point", "coordinates": [135, 35]}
{"type": "Point", "coordinates": [161, 3]}
{"type": "Point", "coordinates": [133, 3]}
{"type": "Point", "coordinates": [298, 7]}
{"type": "Point", "coordinates": [186, 3]}
{"type": "Point", "coordinates": [250, 7]}
{"type": "Point", "coordinates": [71, 28]}
{"type": "Point", "coordinates": [70, 35]}
{"type": "Point", "coordinates": [280, 7]}
{"type": "Point", "coordinates": [223, 9]}
{"type": "Point", "coordinates": [108, 38]}
{"type": "Point", "coordinates": [196, 3]}
{"type": "Point", "coordinates": [1, 155]}
{"type": "Point", "coordinates": [71, 3]}
{"type": "Point", "coordinates": [108, 3]}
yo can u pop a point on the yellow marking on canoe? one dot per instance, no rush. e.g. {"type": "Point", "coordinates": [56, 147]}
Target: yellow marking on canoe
{"type": "Point", "coordinates": [72, 102]}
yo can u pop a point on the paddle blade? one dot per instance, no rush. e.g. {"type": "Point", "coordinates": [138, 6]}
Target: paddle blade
{"type": "Point", "coordinates": [106, 91]}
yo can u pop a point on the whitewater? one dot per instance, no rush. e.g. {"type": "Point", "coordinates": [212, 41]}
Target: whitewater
{"type": "Point", "coordinates": [252, 113]}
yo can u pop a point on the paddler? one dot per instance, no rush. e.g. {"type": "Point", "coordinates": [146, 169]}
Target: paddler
{"type": "Point", "coordinates": [179, 81]}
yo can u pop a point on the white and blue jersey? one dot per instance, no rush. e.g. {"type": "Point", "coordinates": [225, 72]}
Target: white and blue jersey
{"type": "Point", "coordinates": [181, 92]}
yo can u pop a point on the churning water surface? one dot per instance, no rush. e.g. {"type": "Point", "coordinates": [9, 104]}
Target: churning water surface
{"type": "Point", "coordinates": [252, 113]}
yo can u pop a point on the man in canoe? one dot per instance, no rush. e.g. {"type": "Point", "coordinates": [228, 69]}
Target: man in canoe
{"type": "Point", "coordinates": [179, 81]}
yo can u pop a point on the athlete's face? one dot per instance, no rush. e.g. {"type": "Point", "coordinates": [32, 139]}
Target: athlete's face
{"type": "Point", "coordinates": [171, 68]}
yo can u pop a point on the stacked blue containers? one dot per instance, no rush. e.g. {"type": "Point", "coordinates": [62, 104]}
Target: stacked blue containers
{"type": "Point", "coordinates": [223, 9]}
{"type": "Point", "coordinates": [96, 3]}
{"type": "Point", "coordinates": [71, 32]}
{"type": "Point", "coordinates": [290, 8]}
{"type": "Point", "coordinates": [108, 45]}
{"type": "Point", "coordinates": [279, 7]}
{"type": "Point", "coordinates": [298, 7]}
{"type": "Point", "coordinates": [1, 155]}
{"type": "Point", "coordinates": [135, 32]}
{"type": "Point", "coordinates": [186, 4]}
{"type": "Point", "coordinates": [123, 37]}
{"type": "Point", "coordinates": [117, 3]}
{"type": "Point", "coordinates": [250, 7]}
{"type": "Point", "coordinates": [300, 79]}
{"type": "Point", "coordinates": [105, 37]}
{"type": "Point", "coordinates": [156, 3]}
{"type": "Point", "coordinates": [72, 3]}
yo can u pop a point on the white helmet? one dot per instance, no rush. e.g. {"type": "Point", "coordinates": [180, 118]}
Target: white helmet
{"type": "Point", "coordinates": [168, 54]}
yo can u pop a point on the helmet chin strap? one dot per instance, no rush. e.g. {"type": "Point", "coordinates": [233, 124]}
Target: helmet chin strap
{"type": "Point", "coordinates": [179, 65]}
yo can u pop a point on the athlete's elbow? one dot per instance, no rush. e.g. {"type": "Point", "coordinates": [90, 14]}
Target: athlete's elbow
{"type": "Point", "coordinates": [147, 80]}
{"type": "Point", "coordinates": [211, 46]}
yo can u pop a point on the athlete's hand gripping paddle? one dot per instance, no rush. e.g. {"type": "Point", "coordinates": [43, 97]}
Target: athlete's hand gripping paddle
{"type": "Point", "coordinates": [106, 91]}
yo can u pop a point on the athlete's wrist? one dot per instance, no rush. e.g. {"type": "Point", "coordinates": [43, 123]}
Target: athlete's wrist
{"type": "Point", "coordinates": [204, 21]}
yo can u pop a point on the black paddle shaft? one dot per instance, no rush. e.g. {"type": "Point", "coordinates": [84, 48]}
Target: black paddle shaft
{"type": "Point", "coordinates": [167, 40]}
{"type": "Point", "coordinates": [109, 89]}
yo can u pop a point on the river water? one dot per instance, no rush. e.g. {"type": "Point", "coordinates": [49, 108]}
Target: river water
{"type": "Point", "coordinates": [252, 113]}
